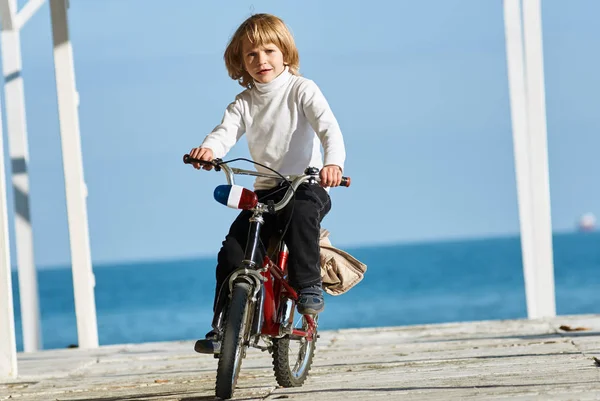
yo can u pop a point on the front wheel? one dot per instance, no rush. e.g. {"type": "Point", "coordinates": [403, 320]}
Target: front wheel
{"type": "Point", "coordinates": [233, 344]}
{"type": "Point", "coordinates": [292, 357]}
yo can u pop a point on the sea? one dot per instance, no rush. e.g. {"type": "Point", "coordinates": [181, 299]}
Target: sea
{"type": "Point", "coordinates": [405, 284]}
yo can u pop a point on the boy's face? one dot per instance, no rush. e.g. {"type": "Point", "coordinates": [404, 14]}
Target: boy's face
{"type": "Point", "coordinates": [264, 63]}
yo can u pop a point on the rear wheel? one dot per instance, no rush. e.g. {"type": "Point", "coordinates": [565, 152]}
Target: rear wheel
{"type": "Point", "coordinates": [233, 344]}
{"type": "Point", "coordinates": [293, 356]}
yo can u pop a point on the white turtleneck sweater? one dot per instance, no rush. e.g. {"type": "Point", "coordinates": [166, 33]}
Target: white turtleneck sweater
{"type": "Point", "coordinates": [280, 119]}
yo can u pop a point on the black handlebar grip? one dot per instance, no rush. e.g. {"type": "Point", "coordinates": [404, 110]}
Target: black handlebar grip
{"type": "Point", "coordinates": [345, 182]}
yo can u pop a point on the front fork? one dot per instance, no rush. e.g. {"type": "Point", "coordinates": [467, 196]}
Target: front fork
{"type": "Point", "coordinates": [249, 273]}
{"type": "Point", "coordinates": [246, 272]}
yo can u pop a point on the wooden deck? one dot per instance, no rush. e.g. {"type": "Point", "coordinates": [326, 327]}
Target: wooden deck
{"type": "Point", "coordinates": [516, 360]}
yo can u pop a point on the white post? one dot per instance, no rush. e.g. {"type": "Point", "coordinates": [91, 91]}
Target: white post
{"type": "Point", "coordinates": [536, 108]}
{"type": "Point", "coordinates": [530, 150]}
{"type": "Point", "coordinates": [8, 345]}
{"type": "Point", "coordinates": [28, 11]}
{"type": "Point", "coordinates": [76, 193]}
{"type": "Point", "coordinates": [17, 132]}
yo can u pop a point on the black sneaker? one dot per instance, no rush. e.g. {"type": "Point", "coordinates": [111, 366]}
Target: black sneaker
{"type": "Point", "coordinates": [310, 300]}
{"type": "Point", "coordinates": [209, 345]}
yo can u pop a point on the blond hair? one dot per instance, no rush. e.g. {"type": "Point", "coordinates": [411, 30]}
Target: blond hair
{"type": "Point", "coordinates": [260, 29]}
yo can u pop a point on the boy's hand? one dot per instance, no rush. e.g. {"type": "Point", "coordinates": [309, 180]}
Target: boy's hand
{"type": "Point", "coordinates": [205, 154]}
{"type": "Point", "coordinates": [331, 176]}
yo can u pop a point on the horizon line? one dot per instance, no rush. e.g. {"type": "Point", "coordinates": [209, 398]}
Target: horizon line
{"type": "Point", "coordinates": [348, 247]}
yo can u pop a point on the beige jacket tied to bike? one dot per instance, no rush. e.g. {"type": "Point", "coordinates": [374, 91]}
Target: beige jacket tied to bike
{"type": "Point", "coordinates": [340, 270]}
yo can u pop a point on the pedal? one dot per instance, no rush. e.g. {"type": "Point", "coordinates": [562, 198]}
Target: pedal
{"type": "Point", "coordinates": [207, 346]}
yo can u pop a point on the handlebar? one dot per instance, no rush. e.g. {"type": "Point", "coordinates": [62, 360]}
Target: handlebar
{"type": "Point", "coordinates": [295, 180]}
{"type": "Point", "coordinates": [230, 171]}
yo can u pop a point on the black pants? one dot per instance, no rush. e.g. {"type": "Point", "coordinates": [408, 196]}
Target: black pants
{"type": "Point", "coordinates": [307, 209]}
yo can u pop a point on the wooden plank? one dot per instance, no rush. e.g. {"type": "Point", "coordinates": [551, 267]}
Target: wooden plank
{"type": "Point", "coordinates": [516, 359]}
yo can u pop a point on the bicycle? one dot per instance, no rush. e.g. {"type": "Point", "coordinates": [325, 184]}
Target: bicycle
{"type": "Point", "coordinates": [261, 303]}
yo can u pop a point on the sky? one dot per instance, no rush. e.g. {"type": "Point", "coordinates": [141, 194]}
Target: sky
{"type": "Point", "coordinates": [419, 88]}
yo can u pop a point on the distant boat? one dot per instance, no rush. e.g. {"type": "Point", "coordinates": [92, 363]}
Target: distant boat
{"type": "Point", "coordinates": [587, 222]}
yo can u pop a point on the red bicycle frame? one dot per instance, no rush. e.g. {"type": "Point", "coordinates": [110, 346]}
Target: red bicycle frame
{"type": "Point", "coordinates": [278, 291]}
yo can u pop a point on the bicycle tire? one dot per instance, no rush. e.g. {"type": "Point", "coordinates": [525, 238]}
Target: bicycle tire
{"type": "Point", "coordinates": [232, 344]}
{"type": "Point", "coordinates": [293, 373]}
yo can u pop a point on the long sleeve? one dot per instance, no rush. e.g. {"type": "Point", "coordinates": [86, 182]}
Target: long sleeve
{"type": "Point", "coordinates": [323, 122]}
{"type": "Point", "coordinates": [226, 134]}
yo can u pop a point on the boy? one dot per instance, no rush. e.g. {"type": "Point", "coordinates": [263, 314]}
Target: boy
{"type": "Point", "coordinates": [286, 119]}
